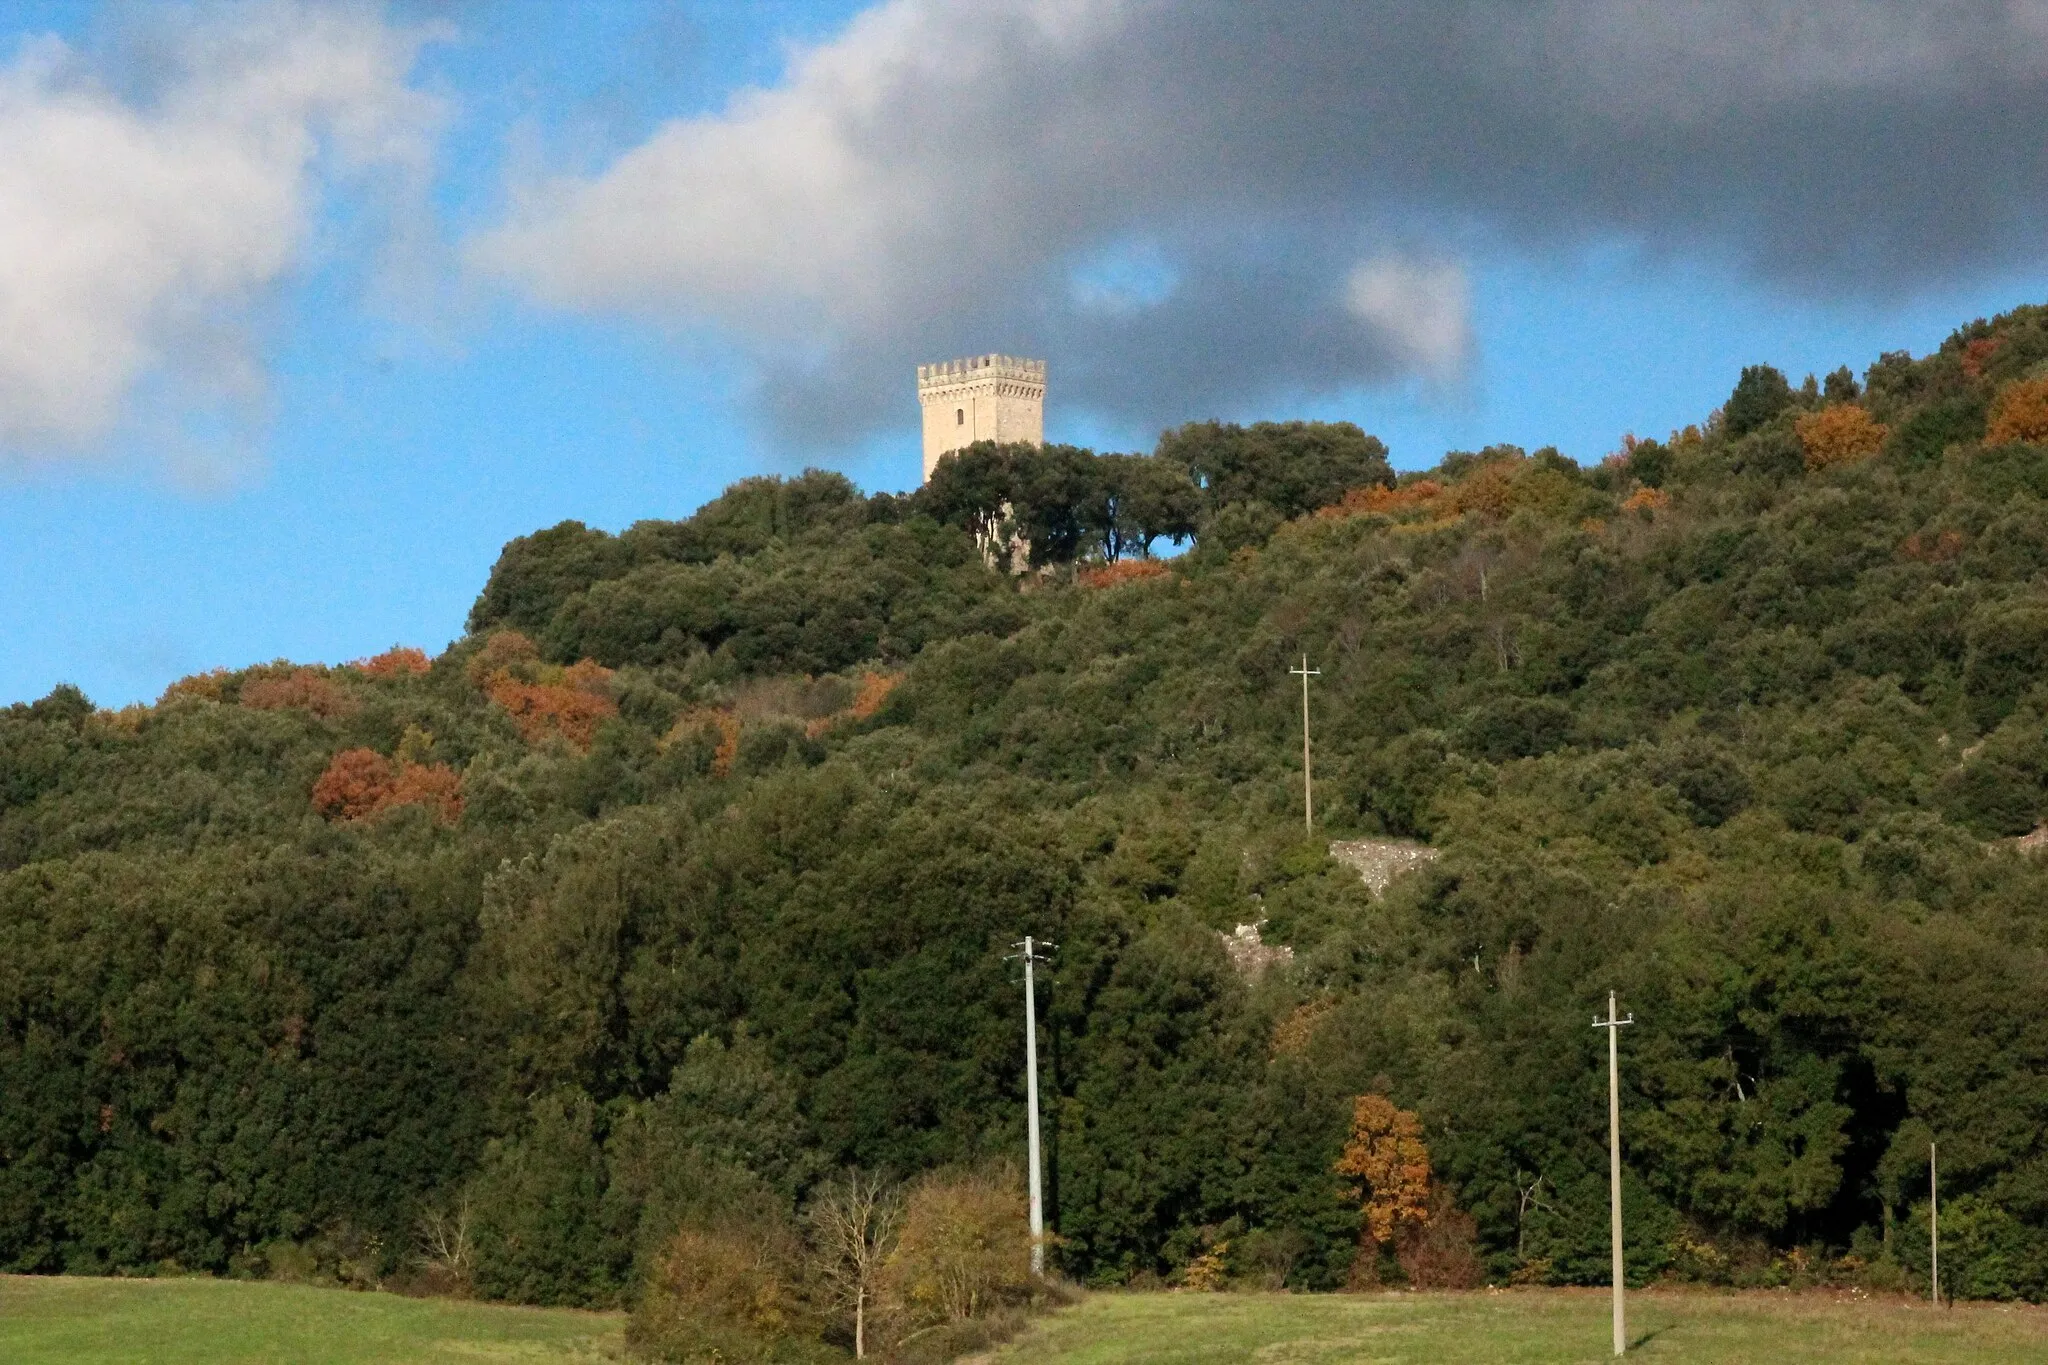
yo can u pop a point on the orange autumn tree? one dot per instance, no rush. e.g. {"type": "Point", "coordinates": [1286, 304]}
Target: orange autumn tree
{"type": "Point", "coordinates": [1387, 1159]}
{"type": "Point", "coordinates": [360, 783]}
{"type": "Point", "coordinates": [396, 662]}
{"type": "Point", "coordinates": [1841, 433]}
{"type": "Point", "coordinates": [1123, 571]}
{"type": "Point", "coordinates": [543, 698]}
{"type": "Point", "coordinates": [1378, 499]}
{"type": "Point", "coordinates": [302, 689]}
{"type": "Point", "coordinates": [2019, 413]}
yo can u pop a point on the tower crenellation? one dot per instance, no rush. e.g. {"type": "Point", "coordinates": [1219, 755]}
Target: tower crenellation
{"type": "Point", "coordinates": [980, 398]}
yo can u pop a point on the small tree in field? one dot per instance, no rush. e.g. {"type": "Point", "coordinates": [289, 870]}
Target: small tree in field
{"type": "Point", "coordinates": [854, 1224]}
{"type": "Point", "coordinates": [965, 1247]}
{"type": "Point", "coordinates": [1386, 1157]}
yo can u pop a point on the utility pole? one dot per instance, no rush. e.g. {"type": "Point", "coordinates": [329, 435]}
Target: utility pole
{"type": "Point", "coordinates": [1933, 1229]}
{"type": "Point", "coordinates": [1308, 798]}
{"type": "Point", "coordinates": [1029, 950]}
{"type": "Point", "coordinates": [1614, 1025]}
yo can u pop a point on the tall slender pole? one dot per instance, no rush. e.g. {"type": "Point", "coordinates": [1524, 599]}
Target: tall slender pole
{"type": "Point", "coordinates": [1933, 1229]}
{"type": "Point", "coordinates": [1308, 796]}
{"type": "Point", "coordinates": [1031, 1105]}
{"type": "Point", "coordinates": [1614, 1025]}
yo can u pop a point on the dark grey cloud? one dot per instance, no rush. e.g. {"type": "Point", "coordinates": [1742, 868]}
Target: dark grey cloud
{"type": "Point", "coordinates": [1301, 178]}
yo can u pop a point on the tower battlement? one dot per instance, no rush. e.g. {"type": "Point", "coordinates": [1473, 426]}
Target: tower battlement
{"type": "Point", "coordinates": [980, 398]}
{"type": "Point", "coordinates": [947, 372]}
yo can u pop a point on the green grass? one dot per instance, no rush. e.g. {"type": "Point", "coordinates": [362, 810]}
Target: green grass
{"type": "Point", "coordinates": [1526, 1327]}
{"type": "Point", "coordinates": [49, 1319]}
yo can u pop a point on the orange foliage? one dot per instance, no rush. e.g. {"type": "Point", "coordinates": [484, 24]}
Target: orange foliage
{"type": "Point", "coordinates": [360, 783]}
{"type": "Point", "coordinates": [357, 784]}
{"type": "Point", "coordinates": [2019, 413]}
{"type": "Point", "coordinates": [395, 662]}
{"type": "Point", "coordinates": [725, 721]}
{"type": "Point", "coordinates": [543, 699]}
{"type": "Point", "coordinates": [506, 649]}
{"type": "Point", "coordinates": [302, 689]}
{"type": "Point", "coordinates": [1840, 433]}
{"type": "Point", "coordinates": [433, 785]}
{"type": "Point", "coordinates": [1646, 500]}
{"type": "Point", "coordinates": [539, 709]}
{"type": "Point", "coordinates": [1123, 571]}
{"type": "Point", "coordinates": [1976, 353]}
{"type": "Point", "coordinates": [728, 745]}
{"type": "Point", "coordinates": [1487, 490]}
{"type": "Point", "coordinates": [1932, 549]}
{"type": "Point", "coordinates": [874, 690]}
{"type": "Point", "coordinates": [1378, 499]}
{"type": "Point", "coordinates": [1386, 1157]}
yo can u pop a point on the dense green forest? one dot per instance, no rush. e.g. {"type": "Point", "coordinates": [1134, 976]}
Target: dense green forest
{"type": "Point", "coordinates": [688, 874]}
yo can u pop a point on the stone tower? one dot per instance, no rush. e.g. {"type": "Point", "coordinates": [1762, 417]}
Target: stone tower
{"type": "Point", "coordinates": [981, 398]}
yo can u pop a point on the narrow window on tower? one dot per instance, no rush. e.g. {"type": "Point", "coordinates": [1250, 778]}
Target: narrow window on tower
{"type": "Point", "coordinates": [959, 417]}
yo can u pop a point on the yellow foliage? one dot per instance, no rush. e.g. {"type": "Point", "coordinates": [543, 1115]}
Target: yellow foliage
{"type": "Point", "coordinates": [2019, 413]}
{"type": "Point", "coordinates": [198, 687]}
{"type": "Point", "coordinates": [1291, 1035]}
{"type": "Point", "coordinates": [965, 1246]}
{"type": "Point", "coordinates": [1646, 500]}
{"type": "Point", "coordinates": [1841, 433]}
{"type": "Point", "coordinates": [1209, 1272]}
{"type": "Point", "coordinates": [505, 651]}
{"type": "Point", "coordinates": [1388, 1160]}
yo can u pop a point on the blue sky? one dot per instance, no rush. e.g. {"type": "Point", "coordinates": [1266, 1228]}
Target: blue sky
{"type": "Point", "coordinates": [342, 409]}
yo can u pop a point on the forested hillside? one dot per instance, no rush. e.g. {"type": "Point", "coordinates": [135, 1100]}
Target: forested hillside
{"type": "Point", "coordinates": [692, 867]}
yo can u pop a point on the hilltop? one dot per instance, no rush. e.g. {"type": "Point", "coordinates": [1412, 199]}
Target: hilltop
{"type": "Point", "coordinates": [710, 837]}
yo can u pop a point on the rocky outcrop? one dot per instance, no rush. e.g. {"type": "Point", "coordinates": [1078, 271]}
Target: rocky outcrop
{"type": "Point", "coordinates": [1380, 861]}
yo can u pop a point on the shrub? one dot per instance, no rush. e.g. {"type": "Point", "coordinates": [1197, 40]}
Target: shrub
{"type": "Point", "coordinates": [1839, 434]}
{"type": "Point", "coordinates": [964, 1249]}
{"type": "Point", "coordinates": [728, 1294]}
{"type": "Point", "coordinates": [1442, 1252]}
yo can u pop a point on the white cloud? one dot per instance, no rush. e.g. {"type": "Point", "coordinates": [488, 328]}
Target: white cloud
{"type": "Point", "coordinates": [1423, 310]}
{"type": "Point", "coordinates": [923, 184]}
{"type": "Point", "coordinates": [137, 235]}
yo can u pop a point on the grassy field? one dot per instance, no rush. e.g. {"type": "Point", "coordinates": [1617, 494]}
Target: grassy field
{"type": "Point", "coordinates": [47, 1320]}
{"type": "Point", "coordinates": [1536, 1327]}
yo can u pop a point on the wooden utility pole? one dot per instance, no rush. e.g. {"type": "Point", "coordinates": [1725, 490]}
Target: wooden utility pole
{"type": "Point", "coordinates": [1029, 950]}
{"type": "Point", "coordinates": [1933, 1229]}
{"type": "Point", "coordinates": [1308, 798]}
{"type": "Point", "coordinates": [1614, 1025]}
